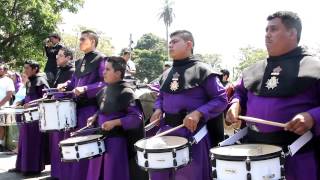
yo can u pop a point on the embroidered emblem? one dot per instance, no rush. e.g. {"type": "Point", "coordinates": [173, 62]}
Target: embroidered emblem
{"type": "Point", "coordinates": [276, 71]}
{"type": "Point", "coordinates": [272, 82]}
{"type": "Point", "coordinates": [82, 66]}
{"type": "Point", "coordinates": [175, 84]}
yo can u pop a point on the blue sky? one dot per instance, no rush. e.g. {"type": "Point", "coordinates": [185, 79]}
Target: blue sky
{"type": "Point", "coordinates": [218, 26]}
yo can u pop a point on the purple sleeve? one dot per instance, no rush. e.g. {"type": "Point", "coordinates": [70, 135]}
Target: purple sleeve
{"type": "Point", "coordinates": [240, 94]}
{"type": "Point", "coordinates": [315, 113]}
{"type": "Point", "coordinates": [158, 102]}
{"type": "Point", "coordinates": [133, 118]}
{"type": "Point", "coordinates": [71, 83]}
{"type": "Point", "coordinates": [218, 98]}
{"type": "Point", "coordinates": [93, 89]}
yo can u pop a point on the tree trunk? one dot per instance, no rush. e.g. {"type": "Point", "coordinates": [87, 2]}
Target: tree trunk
{"type": "Point", "coordinates": [167, 44]}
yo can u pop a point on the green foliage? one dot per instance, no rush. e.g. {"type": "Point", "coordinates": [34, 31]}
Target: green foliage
{"type": "Point", "coordinates": [214, 60]}
{"type": "Point", "coordinates": [149, 56]}
{"type": "Point", "coordinates": [24, 24]}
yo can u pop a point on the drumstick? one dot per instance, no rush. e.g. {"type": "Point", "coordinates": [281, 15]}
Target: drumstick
{"type": "Point", "coordinates": [151, 125]}
{"type": "Point", "coordinates": [261, 121]}
{"type": "Point", "coordinates": [87, 131]}
{"type": "Point", "coordinates": [78, 131]}
{"type": "Point", "coordinates": [37, 100]}
{"type": "Point", "coordinates": [169, 131]}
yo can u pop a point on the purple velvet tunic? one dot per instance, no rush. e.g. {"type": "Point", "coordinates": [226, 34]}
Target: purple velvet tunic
{"type": "Point", "coordinates": [190, 100]}
{"type": "Point", "coordinates": [31, 151]}
{"type": "Point", "coordinates": [114, 164]}
{"type": "Point", "coordinates": [302, 165]}
{"type": "Point", "coordinates": [94, 82]}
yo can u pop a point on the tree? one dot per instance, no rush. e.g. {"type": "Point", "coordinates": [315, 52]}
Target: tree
{"type": "Point", "coordinates": [167, 15]}
{"type": "Point", "coordinates": [250, 55]}
{"type": "Point", "coordinates": [149, 55]}
{"type": "Point", "coordinates": [214, 60]}
{"type": "Point", "coordinates": [25, 24]}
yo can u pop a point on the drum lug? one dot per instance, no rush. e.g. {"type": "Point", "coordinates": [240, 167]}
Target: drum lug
{"type": "Point", "coordinates": [175, 164]}
{"type": "Point", "coordinates": [174, 153]}
{"type": "Point", "coordinates": [145, 154]}
{"type": "Point", "coordinates": [214, 173]}
{"type": "Point", "coordinates": [248, 164]}
{"type": "Point", "coordinates": [213, 161]}
{"type": "Point", "coordinates": [249, 176]}
{"type": "Point", "coordinates": [146, 164]}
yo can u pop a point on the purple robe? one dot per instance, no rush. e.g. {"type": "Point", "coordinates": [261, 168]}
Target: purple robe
{"type": "Point", "coordinates": [190, 100]}
{"type": "Point", "coordinates": [114, 164]}
{"type": "Point", "coordinates": [302, 165]}
{"type": "Point", "coordinates": [93, 82]}
{"type": "Point", "coordinates": [31, 151]}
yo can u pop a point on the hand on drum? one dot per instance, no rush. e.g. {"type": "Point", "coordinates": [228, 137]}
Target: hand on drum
{"type": "Point", "coordinates": [300, 124]}
{"type": "Point", "coordinates": [26, 106]}
{"type": "Point", "coordinates": [108, 125]}
{"type": "Point", "coordinates": [233, 113]}
{"type": "Point", "coordinates": [191, 120]}
{"type": "Point", "coordinates": [62, 87]}
{"type": "Point", "coordinates": [156, 116]}
{"type": "Point", "coordinates": [91, 120]}
{"type": "Point", "coordinates": [79, 90]}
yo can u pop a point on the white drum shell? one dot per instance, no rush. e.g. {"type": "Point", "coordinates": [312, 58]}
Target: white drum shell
{"type": "Point", "coordinates": [8, 116]}
{"type": "Point", "coordinates": [85, 150]}
{"type": "Point", "coordinates": [31, 114]}
{"type": "Point", "coordinates": [260, 170]}
{"type": "Point", "coordinates": [57, 115]}
{"type": "Point", "coordinates": [164, 160]}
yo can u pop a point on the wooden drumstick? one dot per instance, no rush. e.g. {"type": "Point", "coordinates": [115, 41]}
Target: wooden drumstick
{"type": "Point", "coordinates": [168, 131]}
{"type": "Point", "coordinates": [78, 131]}
{"type": "Point", "coordinates": [261, 121]}
{"type": "Point", "coordinates": [151, 125]}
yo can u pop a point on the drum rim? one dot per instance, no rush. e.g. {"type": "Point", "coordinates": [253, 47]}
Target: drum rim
{"type": "Point", "coordinates": [243, 158]}
{"type": "Point", "coordinates": [31, 109]}
{"type": "Point", "coordinates": [187, 144]}
{"type": "Point", "coordinates": [54, 100]}
{"type": "Point", "coordinates": [83, 142]}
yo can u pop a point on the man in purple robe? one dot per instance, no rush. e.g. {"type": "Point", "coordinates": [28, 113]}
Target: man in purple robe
{"type": "Point", "coordinates": [31, 149]}
{"type": "Point", "coordinates": [65, 72]}
{"type": "Point", "coordinates": [86, 81]}
{"type": "Point", "coordinates": [284, 88]}
{"type": "Point", "coordinates": [190, 94]}
{"type": "Point", "coordinates": [119, 114]}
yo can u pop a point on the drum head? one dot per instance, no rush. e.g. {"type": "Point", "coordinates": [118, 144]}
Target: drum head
{"type": "Point", "coordinates": [241, 150]}
{"type": "Point", "coordinates": [164, 142]}
{"type": "Point", "coordinates": [80, 139]}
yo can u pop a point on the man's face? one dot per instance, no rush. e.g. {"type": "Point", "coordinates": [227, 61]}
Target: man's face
{"type": "Point", "coordinates": [2, 71]}
{"type": "Point", "coordinates": [278, 38]}
{"type": "Point", "coordinates": [86, 44]}
{"type": "Point", "coordinates": [29, 71]}
{"type": "Point", "coordinates": [110, 75]}
{"type": "Point", "coordinates": [54, 40]}
{"type": "Point", "coordinates": [179, 48]}
{"type": "Point", "coordinates": [62, 60]}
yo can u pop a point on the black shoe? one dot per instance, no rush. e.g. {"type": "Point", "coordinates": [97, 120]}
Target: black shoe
{"type": "Point", "coordinates": [14, 170]}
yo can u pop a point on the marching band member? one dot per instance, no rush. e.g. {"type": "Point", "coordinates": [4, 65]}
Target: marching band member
{"type": "Point", "coordinates": [191, 94]}
{"type": "Point", "coordinates": [284, 88]}
{"type": "Point", "coordinates": [119, 112]}
{"type": "Point", "coordinates": [86, 81]}
{"type": "Point", "coordinates": [31, 148]}
{"type": "Point", "coordinates": [64, 73]}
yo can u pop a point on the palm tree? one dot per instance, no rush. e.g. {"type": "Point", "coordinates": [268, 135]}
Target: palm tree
{"type": "Point", "coordinates": [167, 15]}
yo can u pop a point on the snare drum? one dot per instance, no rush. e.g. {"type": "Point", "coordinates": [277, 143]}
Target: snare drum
{"type": "Point", "coordinates": [10, 116]}
{"type": "Point", "coordinates": [164, 152]}
{"type": "Point", "coordinates": [31, 114]}
{"type": "Point", "coordinates": [248, 161]}
{"type": "Point", "coordinates": [57, 115]}
{"type": "Point", "coordinates": [81, 147]}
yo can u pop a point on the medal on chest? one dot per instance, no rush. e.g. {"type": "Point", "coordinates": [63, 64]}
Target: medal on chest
{"type": "Point", "coordinates": [83, 66]}
{"type": "Point", "coordinates": [174, 82]}
{"type": "Point", "coordinates": [273, 81]}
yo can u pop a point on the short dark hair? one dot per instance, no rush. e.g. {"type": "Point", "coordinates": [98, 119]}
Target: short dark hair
{"type": "Point", "coordinates": [67, 52]}
{"type": "Point", "coordinates": [33, 64]}
{"type": "Point", "coordinates": [185, 35]}
{"type": "Point", "coordinates": [118, 64]}
{"type": "Point", "coordinates": [225, 72]}
{"type": "Point", "coordinates": [289, 19]}
{"type": "Point", "coordinates": [5, 66]}
{"type": "Point", "coordinates": [55, 35]}
{"type": "Point", "coordinates": [92, 35]}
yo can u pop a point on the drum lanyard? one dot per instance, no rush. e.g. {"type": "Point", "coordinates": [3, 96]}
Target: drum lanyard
{"type": "Point", "coordinates": [200, 134]}
{"type": "Point", "coordinates": [293, 148]}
